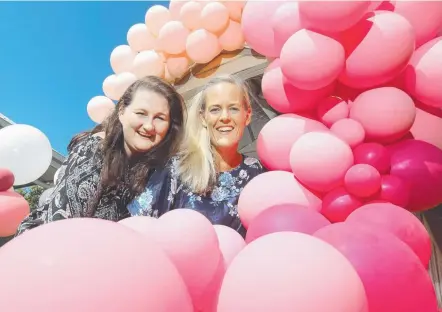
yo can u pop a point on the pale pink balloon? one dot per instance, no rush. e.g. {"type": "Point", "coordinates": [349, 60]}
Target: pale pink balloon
{"type": "Point", "coordinates": [115, 85]}
{"type": "Point", "coordinates": [140, 38]}
{"type": "Point", "coordinates": [235, 8]}
{"type": "Point", "coordinates": [387, 33]}
{"type": "Point", "coordinates": [306, 50]}
{"type": "Point", "coordinates": [362, 180]}
{"type": "Point", "coordinates": [6, 179]}
{"type": "Point", "coordinates": [270, 189]}
{"type": "Point", "coordinates": [428, 125]}
{"type": "Point", "coordinates": [290, 271]}
{"type": "Point", "coordinates": [320, 160]}
{"type": "Point", "coordinates": [349, 130]}
{"type": "Point", "coordinates": [232, 38]}
{"type": "Point", "coordinates": [286, 98]}
{"type": "Point", "coordinates": [277, 137]}
{"type": "Point", "coordinates": [177, 66]}
{"type": "Point", "coordinates": [285, 22]}
{"type": "Point", "coordinates": [338, 204]}
{"type": "Point", "coordinates": [386, 114]}
{"type": "Point", "coordinates": [202, 46]}
{"type": "Point", "coordinates": [190, 14]}
{"type": "Point", "coordinates": [332, 109]}
{"type": "Point", "coordinates": [423, 75]}
{"type": "Point", "coordinates": [167, 76]}
{"type": "Point", "coordinates": [214, 17]}
{"type": "Point", "coordinates": [172, 37]}
{"type": "Point", "coordinates": [98, 258]}
{"type": "Point", "coordinates": [141, 224]}
{"type": "Point", "coordinates": [155, 18]}
{"type": "Point", "coordinates": [13, 209]}
{"type": "Point", "coordinates": [373, 154]}
{"type": "Point", "coordinates": [230, 243]}
{"type": "Point", "coordinates": [394, 190]}
{"type": "Point", "coordinates": [99, 108]}
{"type": "Point", "coordinates": [332, 16]}
{"type": "Point", "coordinates": [121, 59]}
{"type": "Point", "coordinates": [148, 63]}
{"type": "Point", "coordinates": [175, 8]}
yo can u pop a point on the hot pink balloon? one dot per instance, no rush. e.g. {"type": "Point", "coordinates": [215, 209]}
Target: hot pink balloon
{"type": "Point", "coordinates": [190, 14]}
{"type": "Point", "coordinates": [362, 180]}
{"type": "Point", "coordinates": [349, 130]}
{"type": "Point", "coordinates": [285, 218]}
{"type": "Point", "coordinates": [99, 108]}
{"type": "Point", "coordinates": [373, 154]}
{"type": "Point", "coordinates": [148, 63]}
{"type": "Point", "coordinates": [172, 37]}
{"type": "Point", "coordinates": [84, 257]}
{"type": "Point", "coordinates": [121, 59]}
{"type": "Point", "coordinates": [386, 114]}
{"type": "Point", "coordinates": [232, 38]}
{"type": "Point", "coordinates": [202, 46]}
{"type": "Point", "coordinates": [320, 160]}
{"type": "Point", "coordinates": [156, 17]}
{"type": "Point", "coordinates": [305, 50]}
{"type": "Point", "coordinates": [285, 22]}
{"type": "Point", "coordinates": [277, 137]}
{"type": "Point", "coordinates": [419, 164]}
{"type": "Point", "coordinates": [424, 73]}
{"type": "Point", "coordinates": [259, 195]}
{"type": "Point", "coordinates": [13, 209]}
{"type": "Point", "coordinates": [391, 35]}
{"type": "Point", "coordinates": [338, 204]}
{"type": "Point", "coordinates": [406, 226]}
{"type": "Point", "coordinates": [332, 109]}
{"type": "Point", "coordinates": [177, 66]}
{"type": "Point", "coordinates": [386, 265]}
{"type": "Point", "coordinates": [394, 190]}
{"type": "Point", "coordinates": [142, 224]}
{"type": "Point", "coordinates": [230, 243]}
{"type": "Point", "coordinates": [6, 179]}
{"type": "Point", "coordinates": [214, 17]}
{"type": "Point", "coordinates": [140, 38]}
{"type": "Point", "coordinates": [284, 97]}
{"type": "Point", "coordinates": [289, 271]}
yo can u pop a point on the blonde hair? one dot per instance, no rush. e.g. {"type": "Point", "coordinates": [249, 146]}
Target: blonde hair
{"type": "Point", "coordinates": [196, 166]}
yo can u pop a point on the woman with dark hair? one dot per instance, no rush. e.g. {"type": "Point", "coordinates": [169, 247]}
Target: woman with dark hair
{"type": "Point", "coordinates": [111, 165]}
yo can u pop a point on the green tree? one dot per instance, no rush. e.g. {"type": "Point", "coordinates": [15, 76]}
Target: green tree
{"type": "Point", "coordinates": [31, 194]}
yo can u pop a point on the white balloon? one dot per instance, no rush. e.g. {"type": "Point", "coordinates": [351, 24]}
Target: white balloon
{"type": "Point", "coordinates": [26, 151]}
{"type": "Point", "coordinates": [44, 196]}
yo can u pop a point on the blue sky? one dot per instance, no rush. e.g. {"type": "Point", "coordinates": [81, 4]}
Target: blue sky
{"type": "Point", "coordinates": [54, 57]}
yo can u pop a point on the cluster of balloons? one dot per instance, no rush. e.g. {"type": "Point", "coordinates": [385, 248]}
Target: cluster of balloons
{"type": "Point", "coordinates": [168, 43]}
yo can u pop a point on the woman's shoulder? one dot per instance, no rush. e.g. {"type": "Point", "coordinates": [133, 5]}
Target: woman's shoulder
{"type": "Point", "coordinates": [89, 144]}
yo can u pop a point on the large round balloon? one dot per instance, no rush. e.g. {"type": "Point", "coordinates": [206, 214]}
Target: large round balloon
{"type": "Point", "coordinates": [428, 125]}
{"type": "Point", "coordinates": [99, 108]}
{"type": "Point", "coordinates": [79, 264]}
{"type": "Point", "coordinates": [291, 272]}
{"type": "Point", "coordinates": [25, 151]}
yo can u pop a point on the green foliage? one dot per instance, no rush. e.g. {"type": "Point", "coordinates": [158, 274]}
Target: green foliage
{"type": "Point", "coordinates": [31, 194]}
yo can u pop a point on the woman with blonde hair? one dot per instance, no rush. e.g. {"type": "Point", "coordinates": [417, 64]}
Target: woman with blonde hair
{"type": "Point", "coordinates": [209, 173]}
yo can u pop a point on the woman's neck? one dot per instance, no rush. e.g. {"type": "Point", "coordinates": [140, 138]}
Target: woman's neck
{"type": "Point", "coordinates": [227, 159]}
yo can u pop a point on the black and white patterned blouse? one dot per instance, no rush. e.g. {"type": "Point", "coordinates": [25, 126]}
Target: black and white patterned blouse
{"type": "Point", "coordinates": [75, 189]}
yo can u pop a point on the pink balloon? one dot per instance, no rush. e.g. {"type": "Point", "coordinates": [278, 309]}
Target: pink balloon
{"type": "Point", "coordinates": [13, 209]}
{"type": "Point", "coordinates": [373, 154]}
{"type": "Point", "coordinates": [214, 17]}
{"type": "Point", "coordinates": [289, 271]}
{"type": "Point", "coordinates": [172, 37]}
{"type": "Point", "coordinates": [332, 16]}
{"type": "Point", "coordinates": [177, 66]}
{"type": "Point", "coordinates": [140, 38]}
{"type": "Point", "coordinates": [256, 15]}
{"type": "Point", "coordinates": [394, 190]}
{"type": "Point", "coordinates": [235, 9]}
{"type": "Point", "coordinates": [424, 73]}
{"type": "Point", "coordinates": [202, 46]}
{"type": "Point", "coordinates": [362, 180]}
{"type": "Point", "coordinates": [277, 137]}
{"type": "Point", "coordinates": [338, 204]}
{"type": "Point", "coordinates": [148, 63]}
{"type": "Point", "coordinates": [305, 49]}
{"type": "Point", "coordinates": [99, 108]}
{"type": "Point", "coordinates": [419, 164]}
{"type": "Point", "coordinates": [428, 125]}
{"type": "Point", "coordinates": [406, 226]}
{"type": "Point", "coordinates": [232, 38]}
{"type": "Point", "coordinates": [391, 35]}
{"type": "Point", "coordinates": [156, 17]}
{"type": "Point", "coordinates": [121, 59]}
{"type": "Point", "coordinates": [187, 236]}
{"type": "Point", "coordinates": [332, 109]}
{"type": "Point", "coordinates": [141, 224]}
{"type": "Point", "coordinates": [88, 262]}
{"type": "Point", "coordinates": [349, 130]}
{"type": "Point", "coordinates": [320, 160]}
{"type": "Point", "coordinates": [270, 189]}
{"type": "Point", "coordinates": [175, 8]}
{"type": "Point", "coordinates": [285, 22]}
{"type": "Point", "coordinates": [230, 243]}
{"type": "Point", "coordinates": [386, 114]}
{"type": "Point", "coordinates": [6, 179]}
{"type": "Point", "coordinates": [114, 86]}
{"type": "Point", "coordinates": [386, 265]}
{"type": "Point", "coordinates": [190, 14]}
{"type": "Point", "coordinates": [285, 218]}
{"type": "Point", "coordinates": [284, 97]}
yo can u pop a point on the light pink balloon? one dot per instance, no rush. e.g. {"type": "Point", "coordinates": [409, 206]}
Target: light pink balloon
{"type": "Point", "coordinates": [172, 37]}
{"type": "Point", "coordinates": [175, 8]}
{"type": "Point", "coordinates": [349, 130]}
{"type": "Point", "coordinates": [13, 209]}
{"type": "Point", "coordinates": [385, 113]}
{"type": "Point", "coordinates": [332, 16]}
{"type": "Point", "coordinates": [214, 17]}
{"type": "Point", "coordinates": [423, 75]}
{"type": "Point", "coordinates": [290, 271]}
{"type": "Point", "coordinates": [332, 109]}
{"type": "Point", "coordinates": [148, 63]}
{"type": "Point", "coordinates": [277, 137]}
{"type": "Point", "coordinates": [285, 22]}
{"type": "Point", "coordinates": [338, 204]}
{"type": "Point", "coordinates": [202, 46]}
{"type": "Point", "coordinates": [235, 9]}
{"type": "Point", "coordinates": [114, 86]}
{"type": "Point", "coordinates": [285, 98]}
{"type": "Point", "coordinates": [141, 224]}
{"type": "Point", "coordinates": [391, 35]}
{"type": "Point", "coordinates": [320, 160]}
{"type": "Point", "coordinates": [121, 59]}
{"type": "Point", "coordinates": [362, 180]}
{"type": "Point", "coordinates": [306, 49]}
{"type": "Point", "coordinates": [190, 14]}
{"type": "Point", "coordinates": [97, 257]}
{"type": "Point", "coordinates": [177, 66]}
{"type": "Point", "coordinates": [140, 38]}
{"type": "Point", "coordinates": [155, 18]}
{"type": "Point", "coordinates": [230, 243]}
{"type": "Point", "coordinates": [232, 38]}
{"type": "Point", "coordinates": [428, 125]}
{"type": "Point", "coordinates": [260, 194]}
{"type": "Point", "coordinates": [99, 108]}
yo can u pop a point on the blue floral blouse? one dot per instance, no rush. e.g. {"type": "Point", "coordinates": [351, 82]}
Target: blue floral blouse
{"type": "Point", "coordinates": [164, 192]}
